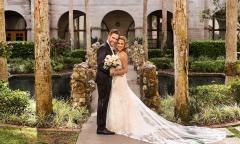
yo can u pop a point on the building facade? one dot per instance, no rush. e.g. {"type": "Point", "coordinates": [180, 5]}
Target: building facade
{"type": "Point", "coordinates": [126, 15]}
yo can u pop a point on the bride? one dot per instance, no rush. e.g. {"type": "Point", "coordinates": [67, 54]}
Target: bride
{"type": "Point", "coordinates": [128, 116]}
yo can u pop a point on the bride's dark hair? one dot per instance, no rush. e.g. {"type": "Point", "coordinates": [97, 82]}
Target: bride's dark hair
{"type": "Point", "coordinates": [125, 42]}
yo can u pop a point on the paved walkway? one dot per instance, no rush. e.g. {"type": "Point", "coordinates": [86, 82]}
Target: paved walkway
{"type": "Point", "coordinates": [88, 133]}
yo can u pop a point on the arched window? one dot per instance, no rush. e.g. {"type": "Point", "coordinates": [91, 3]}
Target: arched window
{"type": "Point", "coordinates": [79, 23]}
{"type": "Point", "coordinates": [120, 20]}
{"type": "Point", "coordinates": [15, 26]}
{"type": "Point", "coordinates": [155, 29]}
{"type": "Point", "coordinates": [217, 28]}
{"type": "Point", "coordinates": [131, 32]}
{"type": "Point", "coordinates": [104, 30]}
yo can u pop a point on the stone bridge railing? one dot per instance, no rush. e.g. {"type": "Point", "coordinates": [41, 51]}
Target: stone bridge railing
{"type": "Point", "coordinates": [149, 86]}
{"type": "Point", "coordinates": [147, 76]}
{"type": "Point", "coordinates": [136, 57]}
{"type": "Point", "coordinates": [83, 79]}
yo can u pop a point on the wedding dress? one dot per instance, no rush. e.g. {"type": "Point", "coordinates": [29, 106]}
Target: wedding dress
{"type": "Point", "coordinates": [127, 115]}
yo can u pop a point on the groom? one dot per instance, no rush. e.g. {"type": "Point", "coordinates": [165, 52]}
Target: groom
{"type": "Point", "coordinates": [104, 81]}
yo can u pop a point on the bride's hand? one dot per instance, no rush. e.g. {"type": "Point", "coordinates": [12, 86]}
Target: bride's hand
{"type": "Point", "coordinates": [114, 73]}
{"type": "Point", "coordinates": [117, 68]}
{"type": "Point", "coordinates": [117, 72]}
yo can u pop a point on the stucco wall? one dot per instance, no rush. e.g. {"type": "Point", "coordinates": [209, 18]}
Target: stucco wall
{"type": "Point", "coordinates": [100, 8]}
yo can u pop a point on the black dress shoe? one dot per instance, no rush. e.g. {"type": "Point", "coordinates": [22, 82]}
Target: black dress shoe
{"type": "Point", "coordinates": [105, 132]}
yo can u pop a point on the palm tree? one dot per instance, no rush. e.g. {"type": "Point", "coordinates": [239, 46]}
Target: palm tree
{"type": "Point", "coordinates": [231, 39]}
{"type": "Point", "coordinates": [164, 26]}
{"type": "Point", "coordinates": [3, 60]}
{"type": "Point", "coordinates": [43, 81]}
{"type": "Point", "coordinates": [181, 46]}
{"type": "Point", "coordinates": [71, 29]}
{"type": "Point", "coordinates": [88, 29]}
{"type": "Point", "coordinates": [145, 26]}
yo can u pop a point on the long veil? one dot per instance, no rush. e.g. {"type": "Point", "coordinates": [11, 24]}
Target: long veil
{"type": "Point", "coordinates": [129, 116]}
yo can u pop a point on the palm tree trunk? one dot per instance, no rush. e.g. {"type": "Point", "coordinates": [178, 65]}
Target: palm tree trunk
{"type": "Point", "coordinates": [3, 60]}
{"type": "Point", "coordinates": [181, 46]}
{"type": "Point", "coordinates": [88, 29]}
{"type": "Point", "coordinates": [71, 29]}
{"type": "Point", "coordinates": [231, 39]}
{"type": "Point", "coordinates": [164, 26]}
{"type": "Point", "coordinates": [43, 81]}
{"type": "Point", "coordinates": [145, 31]}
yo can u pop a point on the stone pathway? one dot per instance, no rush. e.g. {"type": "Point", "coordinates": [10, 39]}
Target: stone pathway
{"type": "Point", "coordinates": [88, 133]}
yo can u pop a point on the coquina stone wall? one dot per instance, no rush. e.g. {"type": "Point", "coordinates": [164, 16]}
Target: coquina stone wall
{"type": "Point", "coordinates": [147, 76]}
{"type": "Point", "coordinates": [83, 79]}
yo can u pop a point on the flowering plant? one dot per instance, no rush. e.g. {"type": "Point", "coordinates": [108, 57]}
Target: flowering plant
{"type": "Point", "coordinates": [111, 61]}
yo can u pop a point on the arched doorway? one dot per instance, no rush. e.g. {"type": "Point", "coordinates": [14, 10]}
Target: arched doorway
{"type": "Point", "coordinates": [217, 25]}
{"type": "Point", "coordinates": [217, 29]}
{"type": "Point", "coordinates": [120, 20]}
{"type": "Point", "coordinates": [15, 26]}
{"type": "Point", "coordinates": [79, 24]}
{"type": "Point", "coordinates": [155, 29]}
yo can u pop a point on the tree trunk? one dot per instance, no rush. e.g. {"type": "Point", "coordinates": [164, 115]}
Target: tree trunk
{"type": "Point", "coordinates": [43, 81]}
{"type": "Point", "coordinates": [88, 29]}
{"type": "Point", "coordinates": [231, 39]}
{"type": "Point", "coordinates": [3, 60]}
{"type": "Point", "coordinates": [164, 26]}
{"type": "Point", "coordinates": [71, 29]}
{"type": "Point", "coordinates": [145, 31]}
{"type": "Point", "coordinates": [181, 46]}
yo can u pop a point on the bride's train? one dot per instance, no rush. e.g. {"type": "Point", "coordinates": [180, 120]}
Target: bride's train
{"type": "Point", "coordinates": [128, 116]}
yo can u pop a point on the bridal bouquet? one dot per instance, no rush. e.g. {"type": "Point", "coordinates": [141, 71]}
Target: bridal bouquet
{"type": "Point", "coordinates": [111, 61]}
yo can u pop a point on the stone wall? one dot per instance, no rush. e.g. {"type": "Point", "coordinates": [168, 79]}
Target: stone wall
{"type": "Point", "coordinates": [147, 76]}
{"type": "Point", "coordinates": [149, 86]}
{"type": "Point", "coordinates": [136, 57]}
{"type": "Point", "coordinates": [83, 79]}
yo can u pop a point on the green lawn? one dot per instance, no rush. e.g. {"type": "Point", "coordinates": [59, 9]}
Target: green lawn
{"type": "Point", "coordinates": [33, 136]}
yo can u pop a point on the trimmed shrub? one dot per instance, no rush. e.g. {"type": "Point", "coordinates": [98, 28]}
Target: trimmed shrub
{"type": "Point", "coordinates": [212, 49]}
{"type": "Point", "coordinates": [12, 102]}
{"type": "Point", "coordinates": [207, 66]}
{"type": "Point", "coordinates": [70, 61]}
{"type": "Point", "coordinates": [23, 49]}
{"type": "Point", "coordinates": [157, 53]}
{"type": "Point", "coordinates": [163, 62]}
{"type": "Point", "coordinates": [77, 53]}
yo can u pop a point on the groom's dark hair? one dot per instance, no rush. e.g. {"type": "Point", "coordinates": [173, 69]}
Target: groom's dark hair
{"type": "Point", "coordinates": [114, 31]}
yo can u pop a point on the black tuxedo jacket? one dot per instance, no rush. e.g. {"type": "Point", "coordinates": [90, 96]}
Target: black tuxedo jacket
{"type": "Point", "coordinates": [103, 75]}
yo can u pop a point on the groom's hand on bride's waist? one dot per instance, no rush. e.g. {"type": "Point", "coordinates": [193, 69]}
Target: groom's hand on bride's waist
{"type": "Point", "coordinates": [116, 72]}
